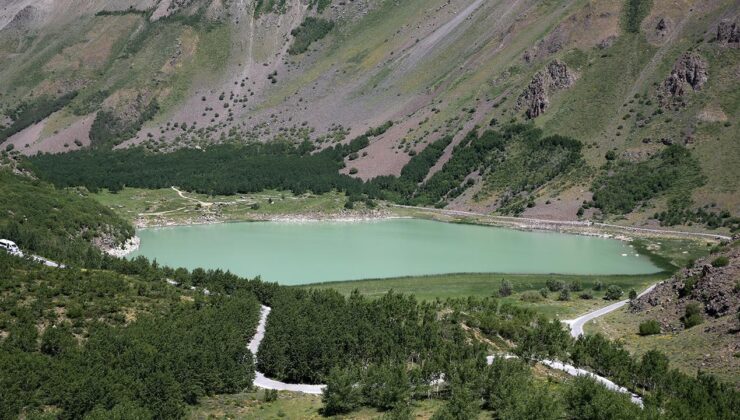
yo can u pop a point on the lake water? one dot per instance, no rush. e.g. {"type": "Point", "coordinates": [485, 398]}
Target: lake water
{"type": "Point", "coordinates": [299, 253]}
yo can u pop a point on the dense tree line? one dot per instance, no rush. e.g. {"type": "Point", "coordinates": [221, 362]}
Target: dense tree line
{"type": "Point", "coordinates": [32, 112]}
{"type": "Point", "coordinates": [108, 129]}
{"type": "Point", "coordinates": [223, 169]}
{"type": "Point", "coordinates": [120, 343]}
{"type": "Point", "coordinates": [624, 185]}
{"type": "Point", "coordinates": [52, 223]}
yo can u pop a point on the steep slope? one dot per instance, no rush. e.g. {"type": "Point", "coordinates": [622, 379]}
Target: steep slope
{"type": "Point", "coordinates": [617, 76]}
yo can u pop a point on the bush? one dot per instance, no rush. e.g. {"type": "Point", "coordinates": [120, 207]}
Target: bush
{"type": "Point", "coordinates": [633, 294]}
{"type": "Point", "coordinates": [576, 286]}
{"type": "Point", "coordinates": [692, 317]}
{"type": "Point", "coordinates": [650, 327]}
{"type": "Point", "coordinates": [613, 292]}
{"type": "Point", "coordinates": [506, 289]}
{"type": "Point", "coordinates": [311, 30]}
{"type": "Point", "coordinates": [544, 292]}
{"type": "Point", "coordinates": [531, 296]}
{"type": "Point", "coordinates": [720, 261]}
{"type": "Point", "coordinates": [587, 295]}
{"type": "Point", "coordinates": [555, 285]}
{"type": "Point", "coordinates": [564, 295]}
{"type": "Point", "coordinates": [598, 286]}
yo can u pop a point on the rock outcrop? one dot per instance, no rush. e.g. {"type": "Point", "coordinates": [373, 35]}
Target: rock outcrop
{"type": "Point", "coordinates": [690, 73]}
{"type": "Point", "coordinates": [536, 97]}
{"type": "Point", "coordinates": [714, 288]}
{"type": "Point", "coordinates": [728, 32]}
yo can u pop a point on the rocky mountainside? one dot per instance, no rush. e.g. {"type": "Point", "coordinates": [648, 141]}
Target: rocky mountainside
{"type": "Point", "coordinates": [713, 283]}
{"type": "Point", "coordinates": [627, 79]}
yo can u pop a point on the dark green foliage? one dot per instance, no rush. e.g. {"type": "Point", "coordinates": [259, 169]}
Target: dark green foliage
{"type": "Point", "coordinates": [613, 292]}
{"type": "Point", "coordinates": [547, 339]}
{"type": "Point", "coordinates": [467, 156]}
{"type": "Point", "coordinates": [564, 295]}
{"type": "Point", "coordinates": [575, 286]}
{"type": "Point", "coordinates": [632, 294]}
{"type": "Point", "coordinates": [462, 405]}
{"type": "Point", "coordinates": [341, 394]}
{"type": "Point", "coordinates": [32, 112]}
{"type": "Point", "coordinates": [586, 399]}
{"type": "Point", "coordinates": [692, 317]}
{"type": "Point", "coordinates": [650, 327]}
{"type": "Point", "coordinates": [377, 131]}
{"type": "Point", "coordinates": [173, 353]}
{"type": "Point", "coordinates": [528, 162]}
{"type": "Point", "coordinates": [720, 262]}
{"type": "Point", "coordinates": [56, 224]}
{"type": "Point", "coordinates": [679, 212]}
{"type": "Point", "coordinates": [623, 186]}
{"type": "Point", "coordinates": [633, 14]}
{"type": "Point", "coordinates": [311, 30]}
{"type": "Point", "coordinates": [386, 330]}
{"type": "Point", "coordinates": [506, 289]}
{"type": "Point", "coordinates": [110, 130]}
{"type": "Point", "coordinates": [555, 285]}
{"type": "Point", "coordinates": [224, 169]}
{"type": "Point", "coordinates": [386, 385]}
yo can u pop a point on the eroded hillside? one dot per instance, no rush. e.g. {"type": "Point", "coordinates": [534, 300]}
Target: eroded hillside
{"type": "Point", "coordinates": [632, 81]}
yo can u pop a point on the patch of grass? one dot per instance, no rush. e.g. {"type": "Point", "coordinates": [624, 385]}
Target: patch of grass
{"type": "Point", "coordinates": [463, 285]}
{"type": "Point", "coordinates": [708, 348]}
{"type": "Point", "coordinates": [162, 206]}
{"type": "Point", "coordinates": [633, 14]}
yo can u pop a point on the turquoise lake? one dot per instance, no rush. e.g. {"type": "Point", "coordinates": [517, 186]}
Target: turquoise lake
{"type": "Point", "coordinates": [300, 253]}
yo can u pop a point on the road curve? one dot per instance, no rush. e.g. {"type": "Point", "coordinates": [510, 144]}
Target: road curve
{"type": "Point", "coordinates": [576, 325]}
{"type": "Point", "coordinates": [261, 381]}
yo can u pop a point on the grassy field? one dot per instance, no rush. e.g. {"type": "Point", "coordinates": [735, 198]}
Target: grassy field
{"type": "Point", "coordinates": [487, 284]}
{"type": "Point", "coordinates": [166, 206]}
{"type": "Point", "coordinates": [289, 405]}
{"type": "Point", "coordinates": [688, 350]}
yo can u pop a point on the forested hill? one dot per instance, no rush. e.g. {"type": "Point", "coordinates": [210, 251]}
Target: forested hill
{"type": "Point", "coordinates": [56, 224]}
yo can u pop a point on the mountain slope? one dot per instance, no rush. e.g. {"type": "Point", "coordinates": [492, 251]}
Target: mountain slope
{"type": "Point", "coordinates": [172, 74]}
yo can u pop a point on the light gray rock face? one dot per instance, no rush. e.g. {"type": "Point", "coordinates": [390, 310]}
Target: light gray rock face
{"type": "Point", "coordinates": [536, 97]}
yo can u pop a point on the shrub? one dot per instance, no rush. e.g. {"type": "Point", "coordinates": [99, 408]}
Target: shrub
{"type": "Point", "coordinates": [720, 261]}
{"type": "Point", "coordinates": [613, 292]}
{"type": "Point", "coordinates": [311, 30]}
{"type": "Point", "coordinates": [692, 317]}
{"type": "Point", "coordinates": [576, 286]}
{"type": "Point", "coordinates": [587, 295]}
{"type": "Point", "coordinates": [555, 285]}
{"type": "Point", "coordinates": [633, 294]}
{"type": "Point", "coordinates": [564, 295]}
{"type": "Point", "coordinates": [598, 286]}
{"type": "Point", "coordinates": [506, 289]}
{"type": "Point", "coordinates": [544, 292]}
{"type": "Point", "coordinates": [353, 171]}
{"type": "Point", "coordinates": [650, 327]}
{"type": "Point", "coordinates": [531, 296]}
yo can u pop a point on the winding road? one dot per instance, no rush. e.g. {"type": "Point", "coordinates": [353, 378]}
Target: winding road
{"type": "Point", "coordinates": [576, 325]}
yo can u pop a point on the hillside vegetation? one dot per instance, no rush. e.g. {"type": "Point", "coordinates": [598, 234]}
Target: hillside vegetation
{"type": "Point", "coordinates": [624, 81]}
